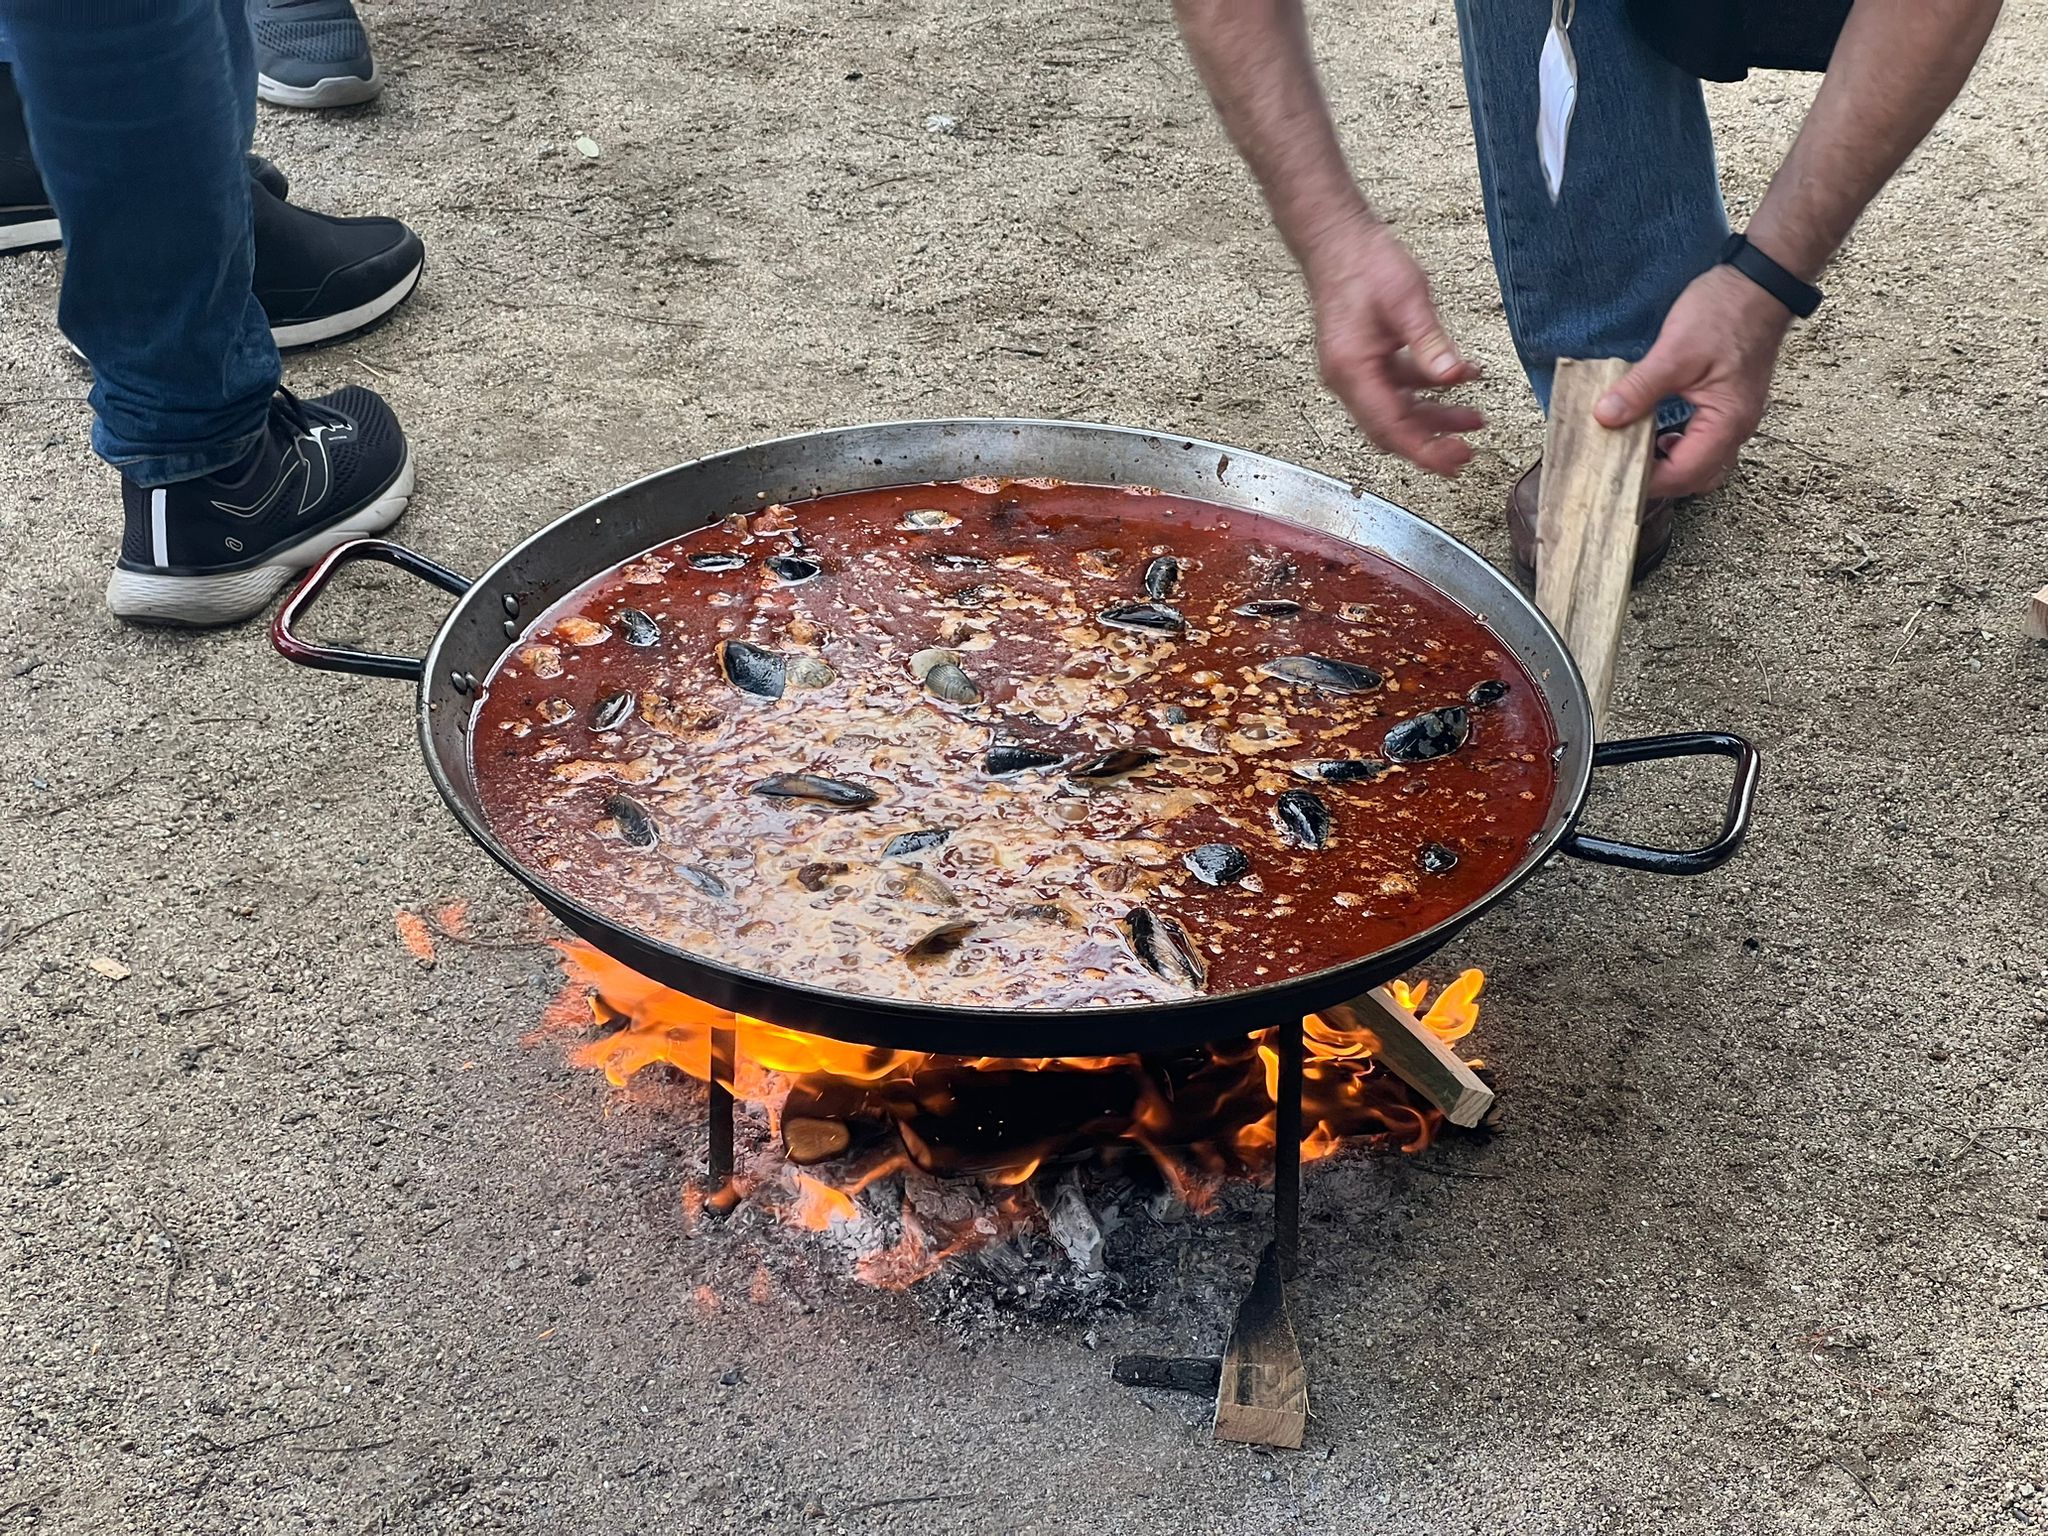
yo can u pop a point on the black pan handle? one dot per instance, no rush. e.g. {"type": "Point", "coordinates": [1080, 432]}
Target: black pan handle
{"type": "Point", "coordinates": [333, 658]}
{"type": "Point", "coordinates": [1676, 861]}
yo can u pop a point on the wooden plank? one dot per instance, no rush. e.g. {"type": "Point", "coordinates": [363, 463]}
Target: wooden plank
{"type": "Point", "coordinates": [1262, 1398]}
{"type": "Point", "coordinates": [1413, 1052]}
{"type": "Point", "coordinates": [1589, 513]}
{"type": "Point", "coordinates": [2037, 615]}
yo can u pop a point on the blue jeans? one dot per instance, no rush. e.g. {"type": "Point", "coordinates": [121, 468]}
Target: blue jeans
{"type": "Point", "coordinates": [1640, 216]}
{"type": "Point", "coordinates": [141, 113]}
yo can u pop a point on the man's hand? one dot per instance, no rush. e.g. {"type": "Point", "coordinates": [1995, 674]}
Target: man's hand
{"type": "Point", "coordinates": [1381, 344]}
{"type": "Point", "coordinates": [1717, 349]}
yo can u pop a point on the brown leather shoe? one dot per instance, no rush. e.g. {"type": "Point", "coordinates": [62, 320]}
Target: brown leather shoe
{"type": "Point", "coordinates": [1652, 544]}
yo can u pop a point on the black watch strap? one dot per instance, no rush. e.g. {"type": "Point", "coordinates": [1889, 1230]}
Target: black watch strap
{"type": "Point", "coordinates": [1801, 298]}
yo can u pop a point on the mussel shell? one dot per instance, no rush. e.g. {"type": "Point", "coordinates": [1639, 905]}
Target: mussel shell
{"type": "Point", "coordinates": [1117, 763]}
{"type": "Point", "coordinates": [1324, 672]}
{"type": "Point", "coordinates": [941, 941]}
{"type": "Point", "coordinates": [792, 570]}
{"type": "Point", "coordinates": [705, 881]}
{"type": "Point", "coordinates": [927, 520]}
{"type": "Point", "coordinates": [808, 672]}
{"type": "Point", "coordinates": [903, 844]}
{"type": "Point", "coordinates": [717, 560]}
{"type": "Point", "coordinates": [947, 681]}
{"type": "Point", "coordinates": [1437, 859]}
{"type": "Point", "coordinates": [1164, 947]}
{"type": "Point", "coordinates": [837, 794]}
{"type": "Point", "coordinates": [1145, 618]}
{"type": "Point", "coordinates": [1162, 576]}
{"type": "Point", "coordinates": [1341, 770]}
{"type": "Point", "coordinates": [1268, 608]}
{"type": "Point", "coordinates": [1433, 733]}
{"type": "Point", "coordinates": [1011, 757]}
{"type": "Point", "coordinates": [635, 824]}
{"type": "Point", "coordinates": [1492, 691]}
{"type": "Point", "coordinates": [816, 876]}
{"type": "Point", "coordinates": [1303, 819]}
{"type": "Point", "coordinates": [612, 711]}
{"type": "Point", "coordinates": [1217, 864]}
{"type": "Point", "coordinates": [636, 628]}
{"type": "Point", "coordinates": [750, 669]}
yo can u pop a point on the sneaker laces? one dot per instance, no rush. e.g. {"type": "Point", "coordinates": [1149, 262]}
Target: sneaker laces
{"type": "Point", "coordinates": [293, 409]}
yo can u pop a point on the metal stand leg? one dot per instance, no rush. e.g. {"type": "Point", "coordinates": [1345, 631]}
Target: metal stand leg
{"type": "Point", "coordinates": [723, 1051]}
{"type": "Point", "coordinates": [1288, 1041]}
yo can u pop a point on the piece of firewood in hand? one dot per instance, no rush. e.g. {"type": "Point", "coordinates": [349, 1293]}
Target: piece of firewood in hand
{"type": "Point", "coordinates": [1262, 1397]}
{"type": "Point", "coordinates": [1589, 512]}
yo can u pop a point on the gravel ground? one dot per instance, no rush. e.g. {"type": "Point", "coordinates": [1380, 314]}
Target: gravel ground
{"type": "Point", "coordinates": [301, 1235]}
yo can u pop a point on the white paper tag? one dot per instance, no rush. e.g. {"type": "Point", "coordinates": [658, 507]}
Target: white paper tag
{"type": "Point", "coordinates": [1557, 76]}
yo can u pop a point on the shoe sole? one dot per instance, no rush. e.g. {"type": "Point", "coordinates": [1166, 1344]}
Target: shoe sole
{"type": "Point", "coordinates": [332, 328]}
{"type": "Point", "coordinates": [336, 91]}
{"type": "Point", "coordinates": [39, 235]}
{"type": "Point", "coordinates": [206, 602]}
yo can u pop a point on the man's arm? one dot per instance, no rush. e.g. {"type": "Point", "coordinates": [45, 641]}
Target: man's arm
{"type": "Point", "coordinates": [1377, 328]}
{"type": "Point", "coordinates": [1896, 69]}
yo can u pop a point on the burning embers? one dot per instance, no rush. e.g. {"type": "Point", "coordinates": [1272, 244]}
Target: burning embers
{"type": "Point", "coordinates": [909, 1159]}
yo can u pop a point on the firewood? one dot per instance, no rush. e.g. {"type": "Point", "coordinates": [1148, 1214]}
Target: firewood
{"type": "Point", "coordinates": [810, 1141]}
{"type": "Point", "coordinates": [1413, 1052]}
{"type": "Point", "coordinates": [1589, 512]}
{"type": "Point", "coordinates": [1262, 1393]}
{"type": "Point", "coordinates": [1172, 1373]}
{"type": "Point", "coordinates": [2037, 615]}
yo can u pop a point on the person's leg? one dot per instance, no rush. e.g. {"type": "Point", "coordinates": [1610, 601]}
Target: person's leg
{"type": "Point", "coordinates": [1640, 214]}
{"type": "Point", "coordinates": [141, 115]}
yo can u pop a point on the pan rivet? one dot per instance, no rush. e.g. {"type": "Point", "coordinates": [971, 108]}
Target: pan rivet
{"type": "Point", "coordinates": [511, 605]}
{"type": "Point", "coordinates": [511, 629]}
{"type": "Point", "coordinates": [460, 679]}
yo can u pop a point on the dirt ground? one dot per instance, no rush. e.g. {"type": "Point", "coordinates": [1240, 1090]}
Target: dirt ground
{"type": "Point", "coordinates": [301, 1236]}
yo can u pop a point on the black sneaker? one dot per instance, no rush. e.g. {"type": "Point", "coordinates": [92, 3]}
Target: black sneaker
{"type": "Point", "coordinates": [217, 549]}
{"type": "Point", "coordinates": [311, 53]}
{"type": "Point", "coordinates": [321, 278]}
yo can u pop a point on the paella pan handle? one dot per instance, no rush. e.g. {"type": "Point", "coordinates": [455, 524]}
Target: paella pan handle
{"type": "Point", "coordinates": [334, 658]}
{"type": "Point", "coordinates": [1676, 861]}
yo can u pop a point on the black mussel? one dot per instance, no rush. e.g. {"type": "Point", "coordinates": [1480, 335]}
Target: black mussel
{"type": "Point", "coordinates": [1164, 947]}
{"type": "Point", "coordinates": [941, 941]}
{"type": "Point", "coordinates": [838, 794]}
{"type": "Point", "coordinates": [750, 669]}
{"type": "Point", "coordinates": [1268, 608]}
{"type": "Point", "coordinates": [717, 560]}
{"type": "Point", "coordinates": [701, 878]}
{"type": "Point", "coordinates": [1145, 618]}
{"type": "Point", "coordinates": [1324, 672]}
{"type": "Point", "coordinates": [1011, 757]}
{"type": "Point", "coordinates": [635, 824]}
{"type": "Point", "coordinates": [903, 844]}
{"type": "Point", "coordinates": [1162, 577]}
{"type": "Point", "coordinates": [1341, 770]}
{"type": "Point", "coordinates": [1303, 819]}
{"type": "Point", "coordinates": [1438, 859]}
{"type": "Point", "coordinates": [1217, 864]}
{"type": "Point", "coordinates": [612, 712]}
{"type": "Point", "coordinates": [636, 628]}
{"type": "Point", "coordinates": [1433, 733]}
{"type": "Point", "coordinates": [1492, 691]}
{"type": "Point", "coordinates": [816, 876]}
{"type": "Point", "coordinates": [792, 570]}
{"type": "Point", "coordinates": [1118, 763]}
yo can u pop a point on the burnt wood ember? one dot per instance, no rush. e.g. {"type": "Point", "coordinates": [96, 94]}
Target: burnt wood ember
{"type": "Point", "coordinates": [1171, 1373]}
{"type": "Point", "coordinates": [808, 1140]}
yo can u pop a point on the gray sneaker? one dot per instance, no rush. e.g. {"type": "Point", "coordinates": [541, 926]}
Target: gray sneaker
{"type": "Point", "coordinates": [311, 53]}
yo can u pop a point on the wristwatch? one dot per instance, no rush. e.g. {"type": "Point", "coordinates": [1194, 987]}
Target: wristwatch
{"type": "Point", "coordinates": [1801, 298]}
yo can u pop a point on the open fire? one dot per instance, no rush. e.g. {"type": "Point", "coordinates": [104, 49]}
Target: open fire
{"type": "Point", "coordinates": [914, 1159]}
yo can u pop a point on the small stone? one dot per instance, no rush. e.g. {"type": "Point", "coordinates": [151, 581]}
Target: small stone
{"type": "Point", "coordinates": [731, 1378]}
{"type": "Point", "coordinates": [940, 123]}
{"type": "Point", "coordinates": [587, 146]}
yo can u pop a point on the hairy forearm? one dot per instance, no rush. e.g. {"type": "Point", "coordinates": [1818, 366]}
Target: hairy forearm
{"type": "Point", "coordinates": [1254, 57]}
{"type": "Point", "coordinates": [1896, 69]}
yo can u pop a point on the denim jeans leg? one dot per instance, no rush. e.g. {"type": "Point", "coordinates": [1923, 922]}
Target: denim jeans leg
{"type": "Point", "coordinates": [1640, 216]}
{"type": "Point", "coordinates": [140, 113]}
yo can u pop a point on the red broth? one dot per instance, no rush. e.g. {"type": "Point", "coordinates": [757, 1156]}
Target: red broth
{"type": "Point", "coordinates": [1026, 900]}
